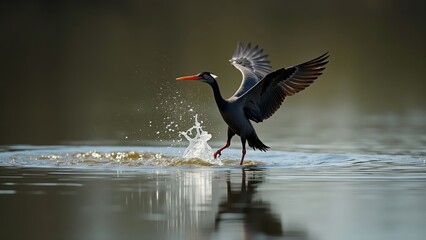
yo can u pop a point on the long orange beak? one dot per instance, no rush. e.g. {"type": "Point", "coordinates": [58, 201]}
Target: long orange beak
{"type": "Point", "coordinates": [192, 77]}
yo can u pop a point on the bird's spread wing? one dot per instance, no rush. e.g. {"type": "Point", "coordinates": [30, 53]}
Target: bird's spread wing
{"type": "Point", "coordinates": [264, 99]}
{"type": "Point", "coordinates": [252, 63]}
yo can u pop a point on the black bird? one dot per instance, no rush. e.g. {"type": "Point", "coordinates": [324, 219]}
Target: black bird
{"type": "Point", "coordinates": [260, 94]}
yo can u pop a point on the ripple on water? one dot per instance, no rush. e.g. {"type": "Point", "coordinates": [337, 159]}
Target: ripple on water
{"type": "Point", "coordinates": [102, 159]}
{"type": "Point", "coordinates": [132, 158]}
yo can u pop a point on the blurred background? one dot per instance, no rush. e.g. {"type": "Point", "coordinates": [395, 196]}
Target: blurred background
{"type": "Point", "coordinates": [104, 71]}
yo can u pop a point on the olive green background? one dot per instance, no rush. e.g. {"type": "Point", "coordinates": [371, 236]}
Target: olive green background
{"type": "Point", "coordinates": [101, 71]}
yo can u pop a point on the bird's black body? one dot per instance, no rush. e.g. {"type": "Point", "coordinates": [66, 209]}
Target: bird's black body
{"type": "Point", "coordinates": [260, 94]}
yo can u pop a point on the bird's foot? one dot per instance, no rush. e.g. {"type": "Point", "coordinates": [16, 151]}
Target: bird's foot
{"type": "Point", "coordinates": [217, 154]}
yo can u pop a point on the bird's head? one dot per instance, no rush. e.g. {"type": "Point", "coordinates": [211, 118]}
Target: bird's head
{"type": "Point", "coordinates": [206, 77]}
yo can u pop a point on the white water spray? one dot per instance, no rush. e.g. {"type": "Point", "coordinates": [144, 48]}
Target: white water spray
{"type": "Point", "coordinates": [198, 146]}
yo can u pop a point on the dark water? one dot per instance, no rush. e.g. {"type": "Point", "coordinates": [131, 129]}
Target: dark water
{"type": "Point", "coordinates": [66, 192]}
{"type": "Point", "coordinates": [344, 176]}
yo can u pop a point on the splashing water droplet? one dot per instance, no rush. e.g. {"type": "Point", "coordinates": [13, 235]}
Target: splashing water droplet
{"type": "Point", "coordinates": [198, 146]}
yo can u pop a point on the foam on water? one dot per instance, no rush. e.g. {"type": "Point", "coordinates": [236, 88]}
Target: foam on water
{"type": "Point", "coordinates": [198, 146]}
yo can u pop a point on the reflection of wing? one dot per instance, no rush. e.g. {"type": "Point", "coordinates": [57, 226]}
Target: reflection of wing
{"type": "Point", "coordinates": [264, 99]}
{"type": "Point", "coordinates": [252, 63]}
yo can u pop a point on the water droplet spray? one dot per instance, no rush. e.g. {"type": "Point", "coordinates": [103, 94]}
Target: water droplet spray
{"type": "Point", "coordinates": [198, 146]}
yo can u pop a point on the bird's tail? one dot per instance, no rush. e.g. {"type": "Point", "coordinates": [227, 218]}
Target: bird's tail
{"type": "Point", "coordinates": [255, 143]}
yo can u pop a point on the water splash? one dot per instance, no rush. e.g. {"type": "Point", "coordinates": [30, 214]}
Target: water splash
{"type": "Point", "coordinates": [173, 112]}
{"type": "Point", "coordinates": [198, 146]}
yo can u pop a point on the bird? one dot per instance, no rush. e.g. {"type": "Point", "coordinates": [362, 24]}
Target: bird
{"type": "Point", "coordinates": [260, 94]}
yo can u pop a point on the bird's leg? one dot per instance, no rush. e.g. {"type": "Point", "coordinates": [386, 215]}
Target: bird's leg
{"type": "Point", "coordinates": [243, 141]}
{"type": "Point", "coordinates": [218, 152]}
{"type": "Point", "coordinates": [227, 144]}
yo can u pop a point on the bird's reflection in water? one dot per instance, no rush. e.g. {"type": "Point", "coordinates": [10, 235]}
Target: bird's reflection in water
{"type": "Point", "coordinates": [243, 210]}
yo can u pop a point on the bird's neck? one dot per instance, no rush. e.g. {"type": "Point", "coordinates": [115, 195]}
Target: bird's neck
{"type": "Point", "coordinates": [217, 96]}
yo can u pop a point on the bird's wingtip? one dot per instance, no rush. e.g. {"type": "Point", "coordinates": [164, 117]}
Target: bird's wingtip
{"type": "Point", "coordinates": [326, 54]}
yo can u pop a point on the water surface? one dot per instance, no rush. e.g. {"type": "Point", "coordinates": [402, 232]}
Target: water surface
{"type": "Point", "coordinates": [92, 192]}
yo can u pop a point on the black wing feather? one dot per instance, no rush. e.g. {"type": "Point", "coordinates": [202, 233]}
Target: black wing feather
{"type": "Point", "coordinates": [264, 98]}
